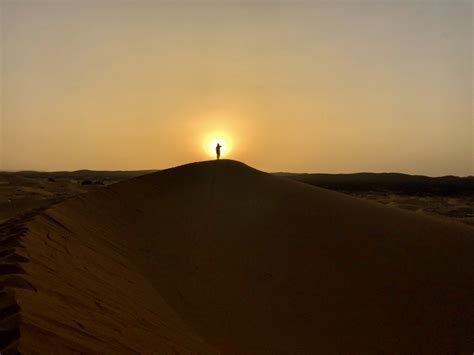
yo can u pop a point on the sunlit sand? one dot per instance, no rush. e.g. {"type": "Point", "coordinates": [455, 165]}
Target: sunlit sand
{"type": "Point", "coordinates": [217, 257]}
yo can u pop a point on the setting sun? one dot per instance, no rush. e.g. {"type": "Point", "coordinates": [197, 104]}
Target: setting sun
{"type": "Point", "coordinates": [211, 141]}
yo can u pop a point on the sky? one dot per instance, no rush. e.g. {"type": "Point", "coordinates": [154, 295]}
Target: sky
{"type": "Point", "coordinates": [301, 86]}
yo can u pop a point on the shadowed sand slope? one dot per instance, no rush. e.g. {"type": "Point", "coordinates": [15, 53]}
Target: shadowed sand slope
{"type": "Point", "coordinates": [218, 257]}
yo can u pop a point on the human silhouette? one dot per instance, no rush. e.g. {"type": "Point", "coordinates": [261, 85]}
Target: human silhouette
{"type": "Point", "coordinates": [218, 151]}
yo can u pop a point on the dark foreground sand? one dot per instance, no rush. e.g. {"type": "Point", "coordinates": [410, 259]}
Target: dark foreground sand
{"type": "Point", "coordinates": [218, 257]}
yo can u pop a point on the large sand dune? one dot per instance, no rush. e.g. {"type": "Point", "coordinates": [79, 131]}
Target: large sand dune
{"type": "Point", "coordinates": [218, 257]}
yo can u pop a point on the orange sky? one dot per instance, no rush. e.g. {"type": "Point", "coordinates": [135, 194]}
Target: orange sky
{"type": "Point", "coordinates": [313, 86]}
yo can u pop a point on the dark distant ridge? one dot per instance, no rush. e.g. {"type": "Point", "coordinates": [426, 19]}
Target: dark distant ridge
{"type": "Point", "coordinates": [390, 182]}
{"type": "Point", "coordinates": [83, 174]}
{"type": "Point", "coordinates": [379, 182]}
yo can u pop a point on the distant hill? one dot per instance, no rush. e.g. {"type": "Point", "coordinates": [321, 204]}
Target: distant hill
{"type": "Point", "coordinates": [357, 182]}
{"type": "Point", "coordinates": [393, 182]}
{"type": "Point", "coordinates": [83, 174]}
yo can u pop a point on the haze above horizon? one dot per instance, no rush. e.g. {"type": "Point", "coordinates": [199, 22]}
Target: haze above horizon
{"type": "Point", "coordinates": [311, 86]}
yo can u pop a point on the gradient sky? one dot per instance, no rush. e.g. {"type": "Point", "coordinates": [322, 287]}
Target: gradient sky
{"type": "Point", "coordinates": [315, 86]}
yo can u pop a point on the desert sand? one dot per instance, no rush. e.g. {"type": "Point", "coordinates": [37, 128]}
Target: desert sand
{"type": "Point", "coordinates": [458, 207]}
{"type": "Point", "coordinates": [217, 257]}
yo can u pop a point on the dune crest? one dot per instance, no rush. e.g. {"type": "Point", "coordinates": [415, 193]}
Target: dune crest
{"type": "Point", "coordinates": [217, 257]}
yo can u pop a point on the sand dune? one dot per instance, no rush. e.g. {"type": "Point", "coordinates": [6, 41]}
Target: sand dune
{"type": "Point", "coordinates": [217, 257]}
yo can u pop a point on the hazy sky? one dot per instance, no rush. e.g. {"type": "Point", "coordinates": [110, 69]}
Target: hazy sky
{"type": "Point", "coordinates": [315, 86]}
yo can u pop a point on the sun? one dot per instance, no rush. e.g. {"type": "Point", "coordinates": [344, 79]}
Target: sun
{"type": "Point", "coordinates": [210, 142]}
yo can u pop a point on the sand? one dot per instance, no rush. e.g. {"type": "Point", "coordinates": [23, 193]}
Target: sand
{"type": "Point", "coordinates": [216, 257]}
{"type": "Point", "coordinates": [19, 194]}
{"type": "Point", "coordinates": [456, 207]}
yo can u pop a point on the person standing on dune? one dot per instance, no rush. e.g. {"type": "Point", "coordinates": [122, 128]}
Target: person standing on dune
{"type": "Point", "coordinates": [218, 151]}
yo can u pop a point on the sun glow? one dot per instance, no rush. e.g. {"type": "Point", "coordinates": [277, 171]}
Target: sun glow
{"type": "Point", "coordinates": [211, 141]}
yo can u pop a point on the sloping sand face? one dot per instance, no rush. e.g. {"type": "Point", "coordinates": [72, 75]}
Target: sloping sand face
{"type": "Point", "coordinates": [218, 257]}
